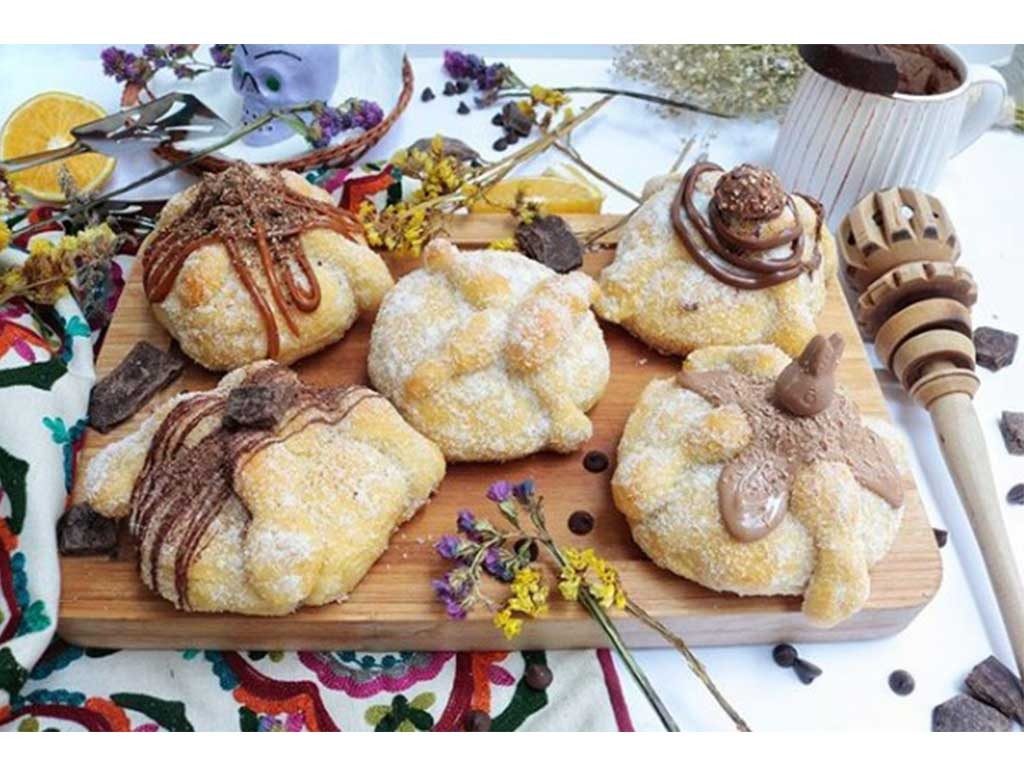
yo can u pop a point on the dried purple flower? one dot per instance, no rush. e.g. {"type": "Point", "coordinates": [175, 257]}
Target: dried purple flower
{"type": "Point", "coordinates": [448, 546]}
{"type": "Point", "coordinates": [463, 65]}
{"type": "Point", "coordinates": [499, 491]}
{"type": "Point", "coordinates": [221, 54]}
{"type": "Point", "coordinates": [451, 595]}
{"type": "Point", "coordinates": [466, 522]}
{"type": "Point", "coordinates": [496, 564]}
{"type": "Point", "coordinates": [367, 114]}
{"type": "Point", "coordinates": [124, 66]}
{"type": "Point", "coordinates": [524, 490]}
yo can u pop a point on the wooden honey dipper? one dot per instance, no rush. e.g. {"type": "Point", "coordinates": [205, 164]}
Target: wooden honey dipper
{"type": "Point", "coordinates": [900, 251]}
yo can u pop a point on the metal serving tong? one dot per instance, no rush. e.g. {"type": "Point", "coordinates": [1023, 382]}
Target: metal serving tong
{"type": "Point", "coordinates": [174, 117]}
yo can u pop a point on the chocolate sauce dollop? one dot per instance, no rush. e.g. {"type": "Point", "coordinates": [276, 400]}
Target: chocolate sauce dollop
{"type": "Point", "coordinates": [753, 488]}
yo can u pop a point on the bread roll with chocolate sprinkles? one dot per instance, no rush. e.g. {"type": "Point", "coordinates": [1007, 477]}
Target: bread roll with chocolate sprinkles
{"type": "Point", "coordinates": [253, 264]}
{"type": "Point", "coordinates": [289, 508]}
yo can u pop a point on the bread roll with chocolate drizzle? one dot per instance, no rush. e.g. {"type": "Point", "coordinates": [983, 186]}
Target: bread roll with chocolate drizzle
{"type": "Point", "coordinates": [253, 264]}
{"type": "Point", "coordinates": [264, 494]}
{"type": "Point", "coordinates": [715, 257]}
{"type": "Point", "coordinates": [753, 474]}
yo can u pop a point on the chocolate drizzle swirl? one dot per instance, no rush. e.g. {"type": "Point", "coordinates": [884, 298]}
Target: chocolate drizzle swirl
{"type": "Point", "coordinates": [753, 488]}
{"type": "Point", "coordinates": [742, 261]}
{"type": "Point", "coordinates": [259, 221]}
{"type": "Point", "coordinates": [187, 480]}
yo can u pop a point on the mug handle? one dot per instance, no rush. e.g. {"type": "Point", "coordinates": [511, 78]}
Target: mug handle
{"type": "Point", "coordinates": [986, 93]}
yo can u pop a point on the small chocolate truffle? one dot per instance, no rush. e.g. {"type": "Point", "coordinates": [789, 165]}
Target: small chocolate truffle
{"type": "Point", "coordinates": [538, 677]}
{"type": "Point", "coordinates": [749, 193]}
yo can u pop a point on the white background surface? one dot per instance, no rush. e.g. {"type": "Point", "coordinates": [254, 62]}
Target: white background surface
{"type": "Point", "coordinates": [981, 190]}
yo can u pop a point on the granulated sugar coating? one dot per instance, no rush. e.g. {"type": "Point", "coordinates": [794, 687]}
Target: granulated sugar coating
{"type": "Point", "coordinates": [491, 355]}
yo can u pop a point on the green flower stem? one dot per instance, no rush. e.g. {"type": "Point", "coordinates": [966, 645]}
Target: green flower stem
{"type": "Point", "coordinates": [691, 660]}
{"type": "Point", "coordinates": [599, 614]}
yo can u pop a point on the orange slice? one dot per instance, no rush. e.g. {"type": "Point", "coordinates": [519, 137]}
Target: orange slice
{"type": "Point", "coordinates": [557, 190]}
{"type": "Point", "coordinates": [45, 122]}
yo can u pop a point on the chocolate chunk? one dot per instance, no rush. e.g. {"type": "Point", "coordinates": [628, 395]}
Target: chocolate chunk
{"type": "Point", "coordinates": [533, 551]}
{"type": "Point", "coordinates": [83, 531]}
{"type": "Point", "coordinates": [549, 240]}
{"type": "Point", "coordinates": [581, 522]}
{"type": "Point", "coordinates": [595, 461]}
{"type": "Point", "coordinates": [449, 88]}
{"type": "Point", "coordinates": [785, 655]}
{"type": "Point", "coordinates": [123, 393]}
{"type": "Point", "coordinates": [427, 95]}
{"type": "Point", "coordinates": [497, 119]}
{"type": "Point", "coordinates": [461, 86]}
{"type": "Point", "coordinates": [516, 120]}
{"type": "Point", "coordinates": [994, 348]}
{"type": "Point", "coordinates": [806, 671]}
{"type": "Point", "coordinates": [463, 108]}
{"type": "Point", "coordinates": [1016, 494]}
{"type": "Point", "coordinates": [538, 677]}
{"type": "Point", "coordinates": [922, 70]}
{"type": "Point", "coordinates": [963, 713]}
{"type": "Point", "coordinates": [941, 536]}
{"type": "Point", "coordinates": [476, 721]}
{"type": "Point", "coordinates": [1012, 427]}
{"type": "Point", "coordinates": [865, 67]}
{"type": "Point", "coordinates": [253, 406]}
{"type": "Point", "coordinates": [993, 683]}
{"type": "Point", "coordinates": [901, 682]}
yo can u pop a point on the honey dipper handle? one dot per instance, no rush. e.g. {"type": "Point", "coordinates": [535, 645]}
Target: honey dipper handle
{"type": "Point", "coordinates": [963, 446]}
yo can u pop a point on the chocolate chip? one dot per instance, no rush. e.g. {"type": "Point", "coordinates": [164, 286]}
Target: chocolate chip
{"type": "Point", "coordinates": [516, 120]}
{"type": "Point", "coordinates": [476, 721]}
{"type": "Point", "coordinates": [128, 387]}
{"type": "Point", "coordinates": [549, 240]}
{"type": "Point", "coordinates": [511, 138]}
{"type": "Point", "coordinates": [1016, 494]}
{"type": "Point", "coordinates": [500, 145]}
{"type": "Point", "coordinates": [449, 88]}
{"type": "Point", "coordinates": [994, 348]}
{"type": "Point", "coordinates": [595, 461]}
{"type": "Point", "coordinates": [497, 119]}
{"type": "Point", "coordinates": [538, 677]}
{"type": "Point", "coordinates": [463, 108]}
{"type": "Point", "coordinates": [901, 682]}
{"type": "Point", "coordinates": [1012, 427]}
{"type": "Point", "coordinates": [254, 406]}
{"type": "Point", "coordinates": [83, 531]}
{"type": "Point", "coordinates": [963, 713]}
{"type": "Point", "coordinates": [581, 522]}
{"type": "Point", "coordinates": [993, 683]}
{"type": "Point", "coordinates": [427, 95]}
{"type": "Point", "coordinates": [461, 86]}
{"type": "Point", "coordinates": [806, 671]}
{"type": "Point", "coordinates": [941, 536]}
{"type": "Point", "coordinates": [533, 552]}
{"type": "Point", "coordinates": [785, 655]}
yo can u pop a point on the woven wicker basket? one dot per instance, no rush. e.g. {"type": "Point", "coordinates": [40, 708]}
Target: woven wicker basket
{"type": "Point", "coordinates": [341, 154]}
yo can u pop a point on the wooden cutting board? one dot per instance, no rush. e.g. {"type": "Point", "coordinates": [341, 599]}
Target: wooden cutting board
{"type": "Point", "coordinates": [104, 604]}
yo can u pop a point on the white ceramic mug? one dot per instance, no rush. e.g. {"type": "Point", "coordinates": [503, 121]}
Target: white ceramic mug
{"type": "Point", "coordinates": [838, 143]}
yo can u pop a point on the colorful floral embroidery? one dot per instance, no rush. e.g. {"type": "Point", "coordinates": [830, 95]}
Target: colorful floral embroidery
{"type": "Point", "coordinates": [366, 675]}
{"type": "Point", "coordinates": [403, 715]}
{"type": "Point", "coordinates": [69, 440]}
